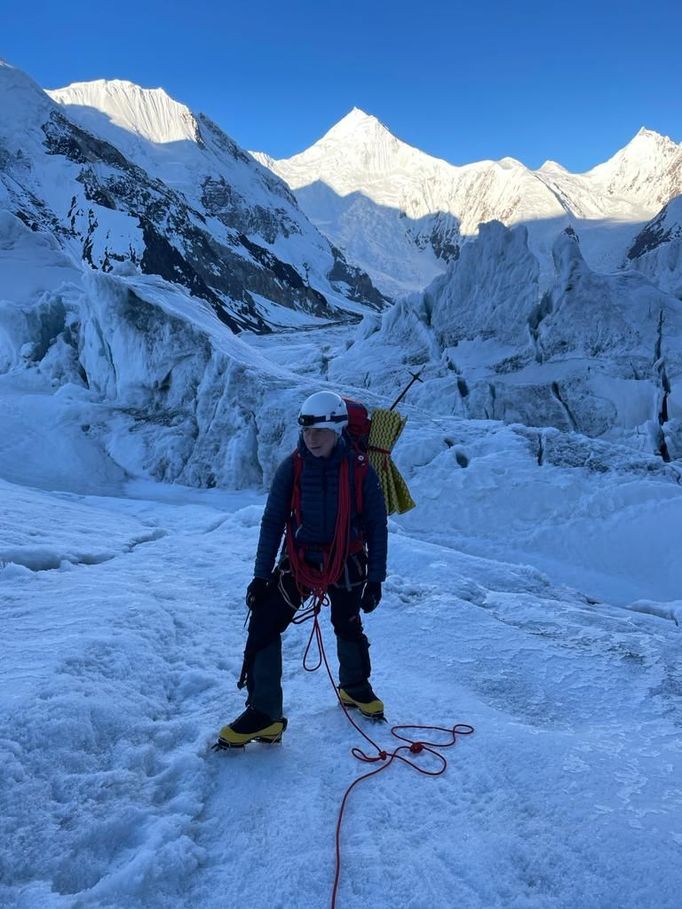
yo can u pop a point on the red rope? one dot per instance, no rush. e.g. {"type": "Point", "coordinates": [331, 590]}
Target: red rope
{"type": "Point", "coordinates": [412, 746]}
{"type": "Point", "coordinates": [309, 579]}
{"type": "Point", "coordinates": [313, 583]}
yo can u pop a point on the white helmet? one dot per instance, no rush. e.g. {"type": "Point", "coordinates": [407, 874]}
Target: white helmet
{"type": "Point", "coordinates": [324, 410]}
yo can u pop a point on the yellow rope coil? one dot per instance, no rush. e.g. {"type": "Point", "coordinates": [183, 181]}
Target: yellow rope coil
{"type": "Point", "coordinates": [387, 426]}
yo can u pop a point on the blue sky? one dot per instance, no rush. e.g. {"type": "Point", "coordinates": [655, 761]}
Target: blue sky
{"type": "Point", "coordinates": [570, 81]}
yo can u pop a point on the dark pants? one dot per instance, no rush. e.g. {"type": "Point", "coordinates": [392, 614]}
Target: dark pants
{"type": "Point", "coordinates": [262, 671]}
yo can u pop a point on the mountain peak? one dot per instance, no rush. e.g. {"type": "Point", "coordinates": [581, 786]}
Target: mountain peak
{"type": "Point", "coordinates": [147, 112]}
{"type": "Point", "coordinates": [645, 172]}
{"type": "Point", "coordinates": [552, 167]}
{"type": "Point", "coordinates": [644, 133]}
{"type": "Point", "coordinates": [357, 125]}
{"type": "Point", "coordinates": [356, 116]}
{"type": "Point", "coordinates": [508, 163]}
{"type": "Point", "coordinates": [645, 145]}
{"type": "Point", "coordinates": [647, 140]}
{"type": "Point", "coordinates": [13, 79]}
{"type": "Point", "coordinates": [121, 88]}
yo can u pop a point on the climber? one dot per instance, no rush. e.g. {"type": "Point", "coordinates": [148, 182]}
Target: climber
{"type": "Point", "coordinates": [327, 504]}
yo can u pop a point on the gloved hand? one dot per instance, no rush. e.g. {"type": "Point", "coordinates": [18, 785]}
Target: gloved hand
{"type": "Point", "coordinates": [371, 596]}
{"type": "Point", "coordinates": [256, 593]}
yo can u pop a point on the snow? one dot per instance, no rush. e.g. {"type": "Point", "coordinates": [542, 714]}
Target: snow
{"type": "Point", "coordinates": [538, 603]}
{"type": "Point", "coordinates": [126, 179]}
{"type": "Point", "coordinates": [657, 249]}
{"type": "Point", "coordinates": [648, 158]}
{"type": "Point", "coordinates": [534, 592]}
{"type": "Point", "coordinates": [150, 113]}
{"type": "Point", "coordinates": [23, 101]}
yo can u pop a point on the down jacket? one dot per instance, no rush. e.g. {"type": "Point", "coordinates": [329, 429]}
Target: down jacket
{"type": "Point", "coordinates": [319, 503]}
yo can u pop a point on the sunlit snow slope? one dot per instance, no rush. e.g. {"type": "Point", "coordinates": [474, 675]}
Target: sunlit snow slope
{"type": "Point", "coordinates": [403, 215]}
{"type": "Point", "coordinates": [168, 195]}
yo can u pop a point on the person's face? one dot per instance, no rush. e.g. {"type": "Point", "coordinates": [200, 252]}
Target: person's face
{"type": "Point", "coordinates": [319, 442]}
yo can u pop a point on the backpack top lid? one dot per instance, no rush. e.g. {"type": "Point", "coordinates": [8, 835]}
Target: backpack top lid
{"type": "Point", "coordinates": [359, 425]}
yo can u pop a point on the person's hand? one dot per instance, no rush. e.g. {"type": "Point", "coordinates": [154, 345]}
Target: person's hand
{"type": "Point", "coordinates": [256, 592]}
{"type": "Point", "coordinates": [371, 596]}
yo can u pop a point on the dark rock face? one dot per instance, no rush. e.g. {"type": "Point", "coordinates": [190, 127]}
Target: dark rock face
{"type": "Point", "coordinates": [357, 282]}
{"type": "Point", "coordinates": [652, 236]}
{"type": "Point", "coordinates": [664, 228]}
{"type": "Point", "coordinates": [441, 233]}
{"type": "Point", "coordinates": [223, 202]}
{"type": "Point", "coordinates": [62, 137]}
{"type": "Point", "coordinates": [656, 251]}
{"type": "Point", "coordinates": [163, 259]}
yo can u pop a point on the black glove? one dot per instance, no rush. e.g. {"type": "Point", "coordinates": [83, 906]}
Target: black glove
{"type": "Point", "coordinates": [256, 593]}
{"type": "Point", "coordinates": [371, 596]}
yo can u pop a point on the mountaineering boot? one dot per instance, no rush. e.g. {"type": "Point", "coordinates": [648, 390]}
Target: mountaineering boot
{"type": "Point", "coordinates": [362, 697]}
{"type": "Point", "coordinates": [354, 672]}
{"type": "Point", "coordinates": [251, 726]}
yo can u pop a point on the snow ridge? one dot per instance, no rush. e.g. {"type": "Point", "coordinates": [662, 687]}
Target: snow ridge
{"type": "Point", "coordinates": [149, 113]}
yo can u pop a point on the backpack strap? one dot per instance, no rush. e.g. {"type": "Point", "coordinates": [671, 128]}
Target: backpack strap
{"type": "Point", "coordinates": [296, 490]}
{"type": "Point", "coordinates": [360, 465]}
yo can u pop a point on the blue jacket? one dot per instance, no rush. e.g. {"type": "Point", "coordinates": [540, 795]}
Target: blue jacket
{"type": "Point", "coordinates": [319, 504]}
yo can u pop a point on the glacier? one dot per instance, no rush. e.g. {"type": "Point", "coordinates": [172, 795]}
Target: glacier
{"type": "Point", "coordinates": [533, 592]}
{"type": "Point", "coordinates": [591, 353]}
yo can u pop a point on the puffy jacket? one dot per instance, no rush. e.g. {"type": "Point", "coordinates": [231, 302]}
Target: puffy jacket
{"type": "Point", "coordinates": [319, 504]}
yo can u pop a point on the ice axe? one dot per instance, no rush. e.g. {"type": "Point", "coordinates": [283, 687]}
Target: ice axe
{"type": "Point", "coordinates": [415, 378]}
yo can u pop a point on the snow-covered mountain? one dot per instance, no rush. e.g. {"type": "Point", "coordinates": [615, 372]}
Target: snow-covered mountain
{"type": "Point", "coordinates": [139, 372]}
{"type": "Point", "coordinates": [126, 248]}
{"type": "Point", "coordinates": [403, 214]}
{"type": "Point", "coordinates": [646, 173]}
{"type": "Point", "coordinates": [526, 325]}
{"type": "Point", "coordinates": [151, 187]}
{"type": "Point", "coordinates": [191, 154]}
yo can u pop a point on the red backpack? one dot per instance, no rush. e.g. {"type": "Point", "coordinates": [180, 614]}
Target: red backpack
{"type": "Point", "coordinates": [359, 425]}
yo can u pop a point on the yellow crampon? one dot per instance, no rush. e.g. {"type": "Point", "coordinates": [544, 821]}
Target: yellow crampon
{"type": "Point", "coordinates": [373, 709]}
{"type": "Point", "coordinates": [268, 735]}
